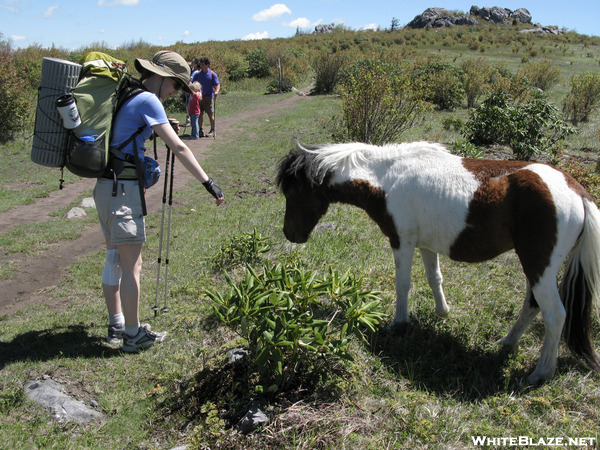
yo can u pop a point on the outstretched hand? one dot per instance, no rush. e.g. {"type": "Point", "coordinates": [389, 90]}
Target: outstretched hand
{"type": "Point", "coordinates": [214, 190]}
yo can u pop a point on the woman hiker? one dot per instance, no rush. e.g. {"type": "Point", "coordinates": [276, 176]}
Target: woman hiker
{"type": "Point", "coordinates": [121, 215]}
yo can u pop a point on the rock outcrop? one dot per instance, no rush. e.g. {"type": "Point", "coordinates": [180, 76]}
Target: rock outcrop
{"type": "Point", "coordinates": [320, 29]}
{"type": "Point", "coordinates": [440, 17]}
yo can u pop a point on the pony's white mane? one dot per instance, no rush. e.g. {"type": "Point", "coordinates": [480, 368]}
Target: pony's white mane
{"type": "Point", "coordinates": [338, 157]}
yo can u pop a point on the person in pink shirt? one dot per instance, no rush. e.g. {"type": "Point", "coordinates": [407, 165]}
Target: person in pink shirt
{"type": "Point", "coordinates": [194, 108]}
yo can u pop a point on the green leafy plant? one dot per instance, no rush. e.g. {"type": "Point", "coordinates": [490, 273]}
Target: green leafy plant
{"type": "Point", "coordinates": [294, 321]}
{"type": "Point", "coordinates": [529, 128]}
{"type": "Point", "coordinates": [241, 249]}
{"type": "Point", "coordinates": [466, 150]}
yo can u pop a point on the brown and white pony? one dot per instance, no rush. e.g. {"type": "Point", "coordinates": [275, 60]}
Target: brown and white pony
{"type": "Point", "coordinates": [471, 210]}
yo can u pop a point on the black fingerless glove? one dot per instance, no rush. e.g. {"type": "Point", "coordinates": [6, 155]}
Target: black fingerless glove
{"type": "Point", "coordinates": [213, 188]}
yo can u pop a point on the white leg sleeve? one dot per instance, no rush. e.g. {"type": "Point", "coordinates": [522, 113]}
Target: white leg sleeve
{"type": "Point", "coordinates": [111, 276]}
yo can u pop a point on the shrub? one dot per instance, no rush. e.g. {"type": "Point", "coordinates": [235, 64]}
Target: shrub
{"type": "Point", "coordinates": [294, 322]}
{"type": "Point", "coordinates": [529, 128]}
{"type": "Point", "coordinates": [241, 250]}
{"type": "Point", "coordinates": [444, 84]}
{"type": "Point", "coordinates": [258, 66]}
{"type": "Point", "coordinates": [175, 104]}
{"type": "Point", "coordinates": [379, 103]}
{"type": "Point", "coordinates": [543, 75]}
{"type": "Point", "coordinates": [583, 99]}
{"type": "Point", "coordinates": [15, 99]}
{"type": "Point", "coordinates": [275, 87]}
{"type": "Point", "coordinates": [476, 76]}
{"type": "Point", "coordinates": [327, 67]}
{"type": "Point", "coordinates": [235, 65]}
{"type": "Point", "coordinates": [502, 80]}
{"type": "Point", "coordinates": [453, 123]}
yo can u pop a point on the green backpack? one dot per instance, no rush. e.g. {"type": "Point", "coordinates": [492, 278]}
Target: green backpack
{"type": "Point", "coordinates": [103, 87]}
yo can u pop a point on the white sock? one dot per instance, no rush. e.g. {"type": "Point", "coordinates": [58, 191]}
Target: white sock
{"type": "Point", "coordinates": [118, 320]}
{"type": "Point", "coordinates": [132, 330]}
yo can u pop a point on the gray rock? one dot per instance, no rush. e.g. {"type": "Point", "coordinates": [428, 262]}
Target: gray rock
{"type": "Point", "coordinates": [63, 408]}
{"type": "Point", "coordinates": [522, 15]}
{"type": "Point", "coordinates": [320, 29]}
{"type": "Point", "coordinates": [499, 15]}
{"type": "Point", "coordinates": [542, 30]}
{"type": "Point", "coordinates": [88, 203]}
{"type": "Point", "coordinates": [325, 226]}
{"type": "Point", "coordinates": [428, 18]}
{"type": "Point", "coordinates": [252, 420]}
{"type": "Point", "coordinates": [235, 355]}
{"type": "Point", "coordinates": [76, 213]}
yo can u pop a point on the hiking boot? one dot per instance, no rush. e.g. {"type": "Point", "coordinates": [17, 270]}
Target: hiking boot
{"type": "Point", "coordinates": [144, 339]}
{"type": "Point", "coordinates": [115, 334]}
{"type": "Point", "coordinates": [201, 133]}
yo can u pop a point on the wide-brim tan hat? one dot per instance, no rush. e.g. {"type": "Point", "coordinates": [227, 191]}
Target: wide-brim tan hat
{"type": "Point", "coordinates": [167, 64]}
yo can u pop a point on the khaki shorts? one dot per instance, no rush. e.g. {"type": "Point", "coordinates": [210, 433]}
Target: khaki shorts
{"type": "Point", "coordinates": [206, 105]}
{"type": "Point", "coordinates": [121, 217]}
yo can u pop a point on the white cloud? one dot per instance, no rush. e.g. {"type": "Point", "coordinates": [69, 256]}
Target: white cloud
{"type": "Point", "coordinates": [16, 38]}
{"type": "Point", "coordinates": [186, 33]}
{"type": "Point", "coordinates": [50, 11]}
{"type": "Point", "coordinates": [102, 31]}
{"type": "Point", "coordinates": [10, 8]}
{"type": "Point", "coordinates": [301, 22]}
{"type": "Point", "coordinates": [118, 2]}
{"type": "Point", "coordinates": [256, 36]}
{"type": "Point", "coordinates": [273, 12]}
{"type": "Point", "coordinates": [371, 26]}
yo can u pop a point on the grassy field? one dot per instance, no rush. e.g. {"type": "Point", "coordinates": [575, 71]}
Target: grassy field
{"type": "Point", "coordinates": [436, 384]}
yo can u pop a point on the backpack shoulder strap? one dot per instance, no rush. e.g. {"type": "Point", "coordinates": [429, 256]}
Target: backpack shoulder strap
{"type": "Point", "coordinates": [128, 87]}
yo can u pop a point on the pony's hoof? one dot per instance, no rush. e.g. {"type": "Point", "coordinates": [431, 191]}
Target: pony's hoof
{"type": "Point", "coordinates": [503, 344]}
{"type": "Point", "coordinates": [443, 313]}
{"type": "Point", "coordinates": [396, 326]}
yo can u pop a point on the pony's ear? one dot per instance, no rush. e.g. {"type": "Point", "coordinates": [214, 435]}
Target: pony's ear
{"type": "Point", "coordinates": [284, 170]}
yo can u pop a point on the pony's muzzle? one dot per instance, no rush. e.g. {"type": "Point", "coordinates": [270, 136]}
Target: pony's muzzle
{"type": "Point", "coordinates": [294, 236]}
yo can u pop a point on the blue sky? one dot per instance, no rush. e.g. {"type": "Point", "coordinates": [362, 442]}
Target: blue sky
{"type": "Point", "coordinates": [73, 24]}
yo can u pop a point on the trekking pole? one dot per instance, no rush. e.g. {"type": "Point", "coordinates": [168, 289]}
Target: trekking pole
{"type": "Point", "coordinates": [162, 224]}
{"type": "Point", "coordinates": [165, 307]}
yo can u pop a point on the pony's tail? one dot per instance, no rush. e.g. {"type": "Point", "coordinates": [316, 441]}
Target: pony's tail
{"type": "Point", "coordinates": [580, 288]}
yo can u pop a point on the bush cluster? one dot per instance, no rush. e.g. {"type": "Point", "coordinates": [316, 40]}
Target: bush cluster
{"type": "Point", "coordinates": [16, 97]}
{"type": "Point", "coordinates": [529, 128]}
{"type": "Point", "coordinates": [380, 102]}
{"type": "Point", "coordinates": [584, 97]}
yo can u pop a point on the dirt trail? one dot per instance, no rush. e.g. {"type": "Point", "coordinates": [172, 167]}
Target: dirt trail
{"type": "Point", "coordinates": [35, 275]}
